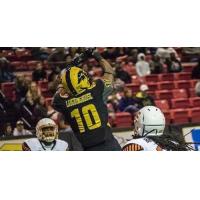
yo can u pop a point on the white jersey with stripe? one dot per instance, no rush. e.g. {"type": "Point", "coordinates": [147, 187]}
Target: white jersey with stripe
{"type": "Point", "coordinates": [141, 144]}
{"type": "Point", "coordinates": [35, 145]}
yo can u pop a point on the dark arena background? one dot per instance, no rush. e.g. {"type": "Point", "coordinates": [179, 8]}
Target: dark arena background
{"type": "Point", "coordinates": [165, 77]}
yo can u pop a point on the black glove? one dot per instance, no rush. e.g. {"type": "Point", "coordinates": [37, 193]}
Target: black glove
{"type": "Point", "coordinates": [89, 51]}
{"type": "Point", "coordinates": [83, 56]}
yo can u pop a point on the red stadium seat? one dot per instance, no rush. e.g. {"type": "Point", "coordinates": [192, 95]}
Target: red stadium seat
{"type": "Point", "coordinates": [8, 90]}
{"type": "Point", "coordinates": [162, 104]}
{"type": "Point", "coordinates": [152, 78]}
{"type": "Point", "coordinates": [43, 85]}
{"type": "Point", "coordinates": [32, 64]}
{"type": "Point", "coordinates": [182, 76]}
{"type": "Point", "coordinates": [194, 114]}
{"type": "Point", "coordinates": [7, 86]}
{"type": "Point", "coordinates": [192, 92]}
{"type": "Point", "coordinates": [133, 87]}
{"type": "Point", "coordinates": [188, 67]}
{"type": "Point", "coordinates": [166, 85]}
{"type": "Point", "coordinates": [9, 54]}
{"type": "Point", "coordinates": [19, 66]}
{"type": "Point", "coordinates": [46, 93]}
{"type": "Point", "coordinates": [194, 102]}
{"type": "Point", "coordinates": [182, 84]}
{"type": "Point", "coordinates": [123, 119]}
{"type": "Point", "coordinates": [153, 86]}
{"type": "Point", "coordinates": [180, 103]}
{"type": "Point", "coordinates": [167, 116]}
{"type": "Point", "coordinates": [193, 83]}
{"type": "Point", "coordinates": [179, 116]}
{"type": "Point", "coordinates": [179, 93]}
{"type": "Point", "coordinates": [164, 94]}
{"type": "Point", "coordinates": [23, 53]}
{"type": "Point", "coordinates": [166, 77]}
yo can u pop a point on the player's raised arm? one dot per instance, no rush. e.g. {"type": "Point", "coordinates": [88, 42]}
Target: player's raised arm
{"type": "Point", "coordinates": [108, 70]}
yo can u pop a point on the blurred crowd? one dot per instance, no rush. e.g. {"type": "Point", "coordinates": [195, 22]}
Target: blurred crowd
{"type": "Point", "coordinates": [129, 63]}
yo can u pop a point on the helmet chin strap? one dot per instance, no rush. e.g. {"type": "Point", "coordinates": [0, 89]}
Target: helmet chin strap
{"type": "Point", "coordinates": [144, 135]}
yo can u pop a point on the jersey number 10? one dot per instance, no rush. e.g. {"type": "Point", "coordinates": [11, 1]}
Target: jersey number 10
{"type": "Point", "coordinates": [87, 111]}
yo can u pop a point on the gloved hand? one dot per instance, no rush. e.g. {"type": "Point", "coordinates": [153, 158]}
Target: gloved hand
{"type": "Point", "coordinates": [89, 51]}
{"type": "Point", "coordinates": [83, 56]}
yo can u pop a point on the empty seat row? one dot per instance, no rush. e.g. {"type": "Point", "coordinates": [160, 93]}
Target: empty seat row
{"type": "Point", "coordinates": [182, 116]}
{"type": "Point", "coordinates": [168, 77]}
{"type": "Point", "coordinates": [165, 85]}
{"type": "Point", "coordinates": [178, 103]}
{"type": "Point", "coordinates": [175, 116]}
{"type": "Point", "coordinates": [29, 65]}
{"type": "Point", "coordinates": [169, 94]}
{"type": "Point", "coordinates": [122, 120]}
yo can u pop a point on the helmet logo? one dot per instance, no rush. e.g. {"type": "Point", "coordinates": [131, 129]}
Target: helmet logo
{"type": "Point", "coordinates": [81, 76]}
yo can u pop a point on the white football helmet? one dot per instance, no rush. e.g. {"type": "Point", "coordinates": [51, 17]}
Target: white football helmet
{"type": "Point", "coordinates": [149, 121]}
{"type": "Point", "coordinates": [46, 130]}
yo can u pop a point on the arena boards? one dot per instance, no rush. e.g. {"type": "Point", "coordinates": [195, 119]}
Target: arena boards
{"type": "Point", "coordinates": [16, 144]}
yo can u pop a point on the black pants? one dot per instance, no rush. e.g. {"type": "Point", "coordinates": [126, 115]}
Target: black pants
{"type": "Point", "coordinates": [110, 144]}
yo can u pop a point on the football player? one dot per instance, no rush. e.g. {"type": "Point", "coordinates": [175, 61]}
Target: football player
{"type": "Point", "coordinates": [149, 125]}
{"type": "Point", "coordinates": [85, 106]}
{"type": "Point", "coordinates": [47, 133]}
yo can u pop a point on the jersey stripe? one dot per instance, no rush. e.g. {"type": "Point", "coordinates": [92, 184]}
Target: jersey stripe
{"type": "Point", "coordinates": [132, 147]}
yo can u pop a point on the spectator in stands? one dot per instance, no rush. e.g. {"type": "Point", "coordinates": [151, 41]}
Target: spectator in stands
{"type": "Point", "coordinates": [110, 53]}
{"type": "Point", "coordinates": [34, 92]}
{"type": "Point", "coordinates": [40, 53]}
{"type": "Point", "coordinates": [173, 64]}
{"type": "Point", "coordinates": [8, 131]}
{"type": "Point", "coordinates": [119, 85]}
{"type": "Point", "coordinates": [196, 71]}
{"type": "Point", "coordinates": [190, 54]}
{"type": "Point", "coordinates": [128, 103]}
{"type": "Point", "coordinates": [29, 103]}
{"type": "Point", "coordinates": [155, 65]}
{"type": "Point", "coordinates": [142, 67]}
{"type": "Point", "coordinates": [53, 80]}
{"type": "Point", "coordinates": [32, 97]}
{"type": "Point", "coordinates": [143, 98]}
{"type": "Point", "coordinates": [111, 106]}
{"type": "Point", "coordinates": [39, 73]}
{"type": "Point", "coordinates": [123, 75]}
{"type": "Point", "coordinates": [20, 130]}
{"type": "Point", "coordinates": [164, 53]}
{"type": "Point", "coordinates": [6, 74]}
{"type": "Point", "coordinates": [22, 85]}
{"type": "Point", "coordinates": [40, 110]}
{"type": "Point", "coordinates": [58, 58]}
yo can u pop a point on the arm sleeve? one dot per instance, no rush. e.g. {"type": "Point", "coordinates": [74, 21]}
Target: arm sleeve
{"type": "Point", "coordinates": [57, 104]}
{"type": "Point", "coordinates": [137, 67]}
{"type": "Point", "coordinates": [107, 90]}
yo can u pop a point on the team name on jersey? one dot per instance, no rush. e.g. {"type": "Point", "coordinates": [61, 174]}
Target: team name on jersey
{"type": "Point", "coordinates": [79, 100]}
